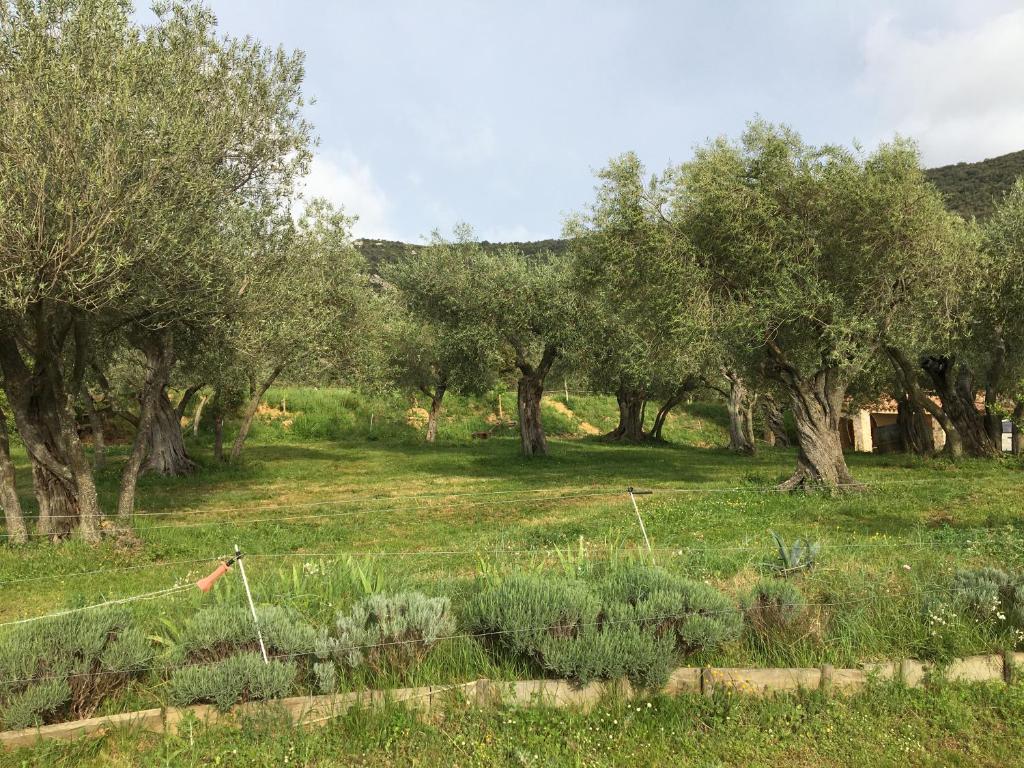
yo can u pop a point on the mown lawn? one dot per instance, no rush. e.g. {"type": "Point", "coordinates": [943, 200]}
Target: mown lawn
{"type": "Point", "coordinates": [326, 499]}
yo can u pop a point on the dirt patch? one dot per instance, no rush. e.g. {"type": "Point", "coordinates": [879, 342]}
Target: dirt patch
{"type": "Point", "coordinates": [584, 426]}
{"type": "Point", "coordinates": [417, 417]}
{"type": "Point", "coordinates": [268, 412]}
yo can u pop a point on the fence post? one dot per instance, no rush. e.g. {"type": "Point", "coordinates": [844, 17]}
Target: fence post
{"type": "Point", "coordinates": [252, 605]}
{"type": "Point", "coordinates": [633, 492]}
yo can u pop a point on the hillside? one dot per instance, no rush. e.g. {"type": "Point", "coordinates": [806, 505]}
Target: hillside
{"type": "Point", "coordinates": [383, 251]}
{"type": "Point", "coordinates": [970, 189]}
{"type": "Point", "coordinates": [973, 189]}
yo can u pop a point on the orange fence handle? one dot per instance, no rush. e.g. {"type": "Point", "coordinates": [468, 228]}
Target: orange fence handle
{"type": "Point", "coordinates": [206, 584]}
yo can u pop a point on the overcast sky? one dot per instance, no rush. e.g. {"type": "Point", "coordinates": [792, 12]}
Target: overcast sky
{"type": "Point", "coordinates": [496, 114]}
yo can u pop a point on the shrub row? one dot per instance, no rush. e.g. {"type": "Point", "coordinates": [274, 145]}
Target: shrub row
{"type": "Point", "coordinates": [632, 621]}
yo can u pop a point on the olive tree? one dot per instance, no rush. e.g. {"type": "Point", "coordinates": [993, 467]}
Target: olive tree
{"type": "Point", "coordinates": [515, 308]}
{"type": "Point", "coordinates": [968, 349]}
{"type": "Point", "coordinates": [1002, 321]}
{"type": "Point", "coordinates": [424, 351]}
{"type": "Point", "coordinates": [303, 304]}
{"type": "Point", "coordinates": [813, 253]}
{"type": "Point", "coordinates": [643, 318]}
{"type": "Point", "coordinates": [123, 153]}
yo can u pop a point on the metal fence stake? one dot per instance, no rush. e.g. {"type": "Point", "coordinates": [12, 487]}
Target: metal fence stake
{"type": "Point", "coordinates": [633, 492]}
{"type": "Point", "coordinates": [252, 605]}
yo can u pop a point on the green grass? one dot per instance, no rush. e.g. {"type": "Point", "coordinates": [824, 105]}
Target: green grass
{"type": "Point", "coordinates": [980, 725]}
{"type": "Point", "coordinates": [326, 484]}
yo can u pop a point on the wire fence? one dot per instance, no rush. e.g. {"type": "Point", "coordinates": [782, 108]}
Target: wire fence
{"type": "Point", "coordinates": [602, 622]}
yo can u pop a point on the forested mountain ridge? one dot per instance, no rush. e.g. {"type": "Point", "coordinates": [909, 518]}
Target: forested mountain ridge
{"type": "Point", "coordinates": [973, 189]}
{"type": "Point", "coordinates": [970, 189]}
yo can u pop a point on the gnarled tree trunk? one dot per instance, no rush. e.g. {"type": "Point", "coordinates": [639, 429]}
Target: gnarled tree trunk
{"type": "Point", "coordinates": [529, 391]}
{"type": "Point", "coordinates": [915, 434]}
{"type": "Point", "coordinates": [630, 429]}
{"type": "Point", "coordinates": [165, 448]}
{"type": "Point", "coordinates": [817, 402]}
{"type": "Point", "coordinates": [955, 386]}
{"type": "Point", "coordinates": [817, 409]}
{"type": "Point", "coordinates": [45, 419]}
{"type": "Point", "coordinates": [911, 406]}
{"type": "Point", "coordinates": [159, 360]}
{"type": "Point", "coordinates": [14, 520]}
{"type": "Point", "coordinates": [774, 422]}
{"type": "Point", "coordinates": [741, 430]}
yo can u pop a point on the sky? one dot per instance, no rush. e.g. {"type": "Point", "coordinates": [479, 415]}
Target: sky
{"type": "Point", "coordinates": [497, 114]}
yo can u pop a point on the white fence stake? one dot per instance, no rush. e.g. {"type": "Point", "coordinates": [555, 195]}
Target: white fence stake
{"type": "Point", "coordinates": [643, 529]}
{"type": "Point", "coordinates": [252, 606]}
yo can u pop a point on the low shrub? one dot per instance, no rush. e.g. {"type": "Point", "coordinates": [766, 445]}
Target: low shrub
{"type": "Point", "coordinates": [386, 632]}
{"type": "Point", "coordinates": [698, 615]}
{"type": "Point", "coordinates": [991, 595]}
{"type": "Point", "coordinates": [219, 649]}
{"type": "Point", "coordinates": [633, 623]}
{"type": "Point", "coordinates": [220, 631]}
{"type": "Point", "coordinates": [774, 608]}
{"type": "Point", "coordinates": [62, 668]}
{"type": "Point", "coordinates": [242, 677]}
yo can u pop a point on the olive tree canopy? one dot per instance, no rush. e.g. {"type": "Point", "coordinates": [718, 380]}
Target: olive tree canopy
{"type": "Point", "coordinates": [813, 254]}
{"type": "Point", "coordinates": [125, 154]}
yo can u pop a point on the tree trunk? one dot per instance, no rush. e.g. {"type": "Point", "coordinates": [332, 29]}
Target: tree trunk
{"type": "Point", "coordinates": [817, 409]}
{"type": "Point", "coordinates": [435, 410]}
{"type": "Point", "coordinates": [955, 387]}
{"type": "Point", "coordinates": [13, 517]}
{"type": "Point", "coordinates": [630, 428]}
{"type": "Point", "coordinates": [199, 414]}
{"type": "Point", "coordinates": [741, 432]}
{"type": "Point", "coordinates": [186, 398]}
{"type": "Point", "coordinates": [531, 429]}
{"type": "Point", "coordinates": [529, 392]}
{"type": "Point", "coordinates": [218, 437]}
{"type": "Point", "coordinates": [165, 446]}
{"type": "Point", "coordinates": [915, 434]}
{"type": "Point", "coordinates": [666, 408]}
{"type": "Point", "coordinates": [748, 420]}
{"type": "Point", "coordinates": [45, 419]}
{"type": "Point", "coordinates": [912, 404]}
{"type": "Point", "coordinates": [250, 413]}
{"type": "Point", "coordinates": [159, 360]}
{"type": "Point", "coordinates": [99, 451]}
{"type": "Point", "coordinates": [774, 422]}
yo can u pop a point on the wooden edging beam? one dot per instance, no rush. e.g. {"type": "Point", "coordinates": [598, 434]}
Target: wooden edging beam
{"type": "Point", "coordinates": [309, 711]}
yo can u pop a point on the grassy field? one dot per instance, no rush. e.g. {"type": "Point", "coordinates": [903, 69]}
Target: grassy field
{"type": "Point", "coordinates": [337, 491]}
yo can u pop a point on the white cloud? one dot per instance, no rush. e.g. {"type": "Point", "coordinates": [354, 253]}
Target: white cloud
{"type": "Point", "coordinates": [346, 181]}
{"type": "Point", "coordinates": [958, 91]}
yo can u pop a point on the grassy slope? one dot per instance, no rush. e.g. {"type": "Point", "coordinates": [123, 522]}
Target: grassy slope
{"type": "Point", "coordinates": [932, 516]}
